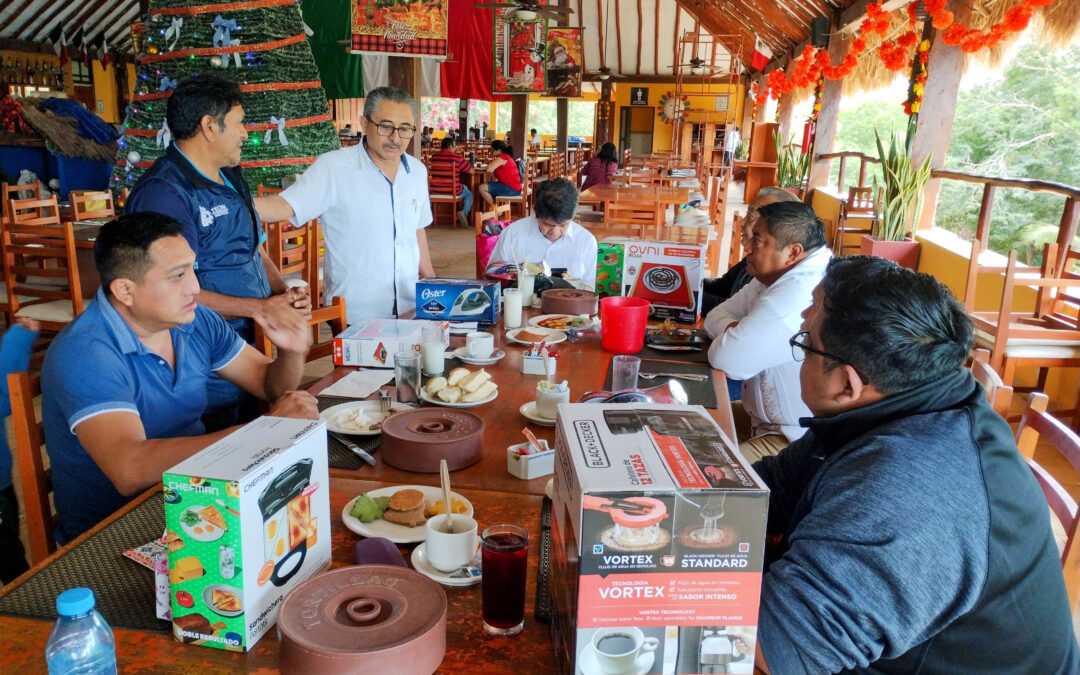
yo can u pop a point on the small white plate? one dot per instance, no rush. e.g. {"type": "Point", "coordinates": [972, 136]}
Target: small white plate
{"type": "Point", "coordinates": [371, 409]}
{"type": "Point", "coordinates": [535, 321]}
{"type": "Point", "coordinates": [528, 410]}
{"type": "Point", "coordinates": [399, 534]}
{"type": "Point", "coordinates": [420, 564]}
{"type": "Point", "coordinates": [554, 337]}
{"type": "Point", "coordinates": [438, 401]}
{"type": "Point", "coordinates": [203, 531]}
{"type": "Point", "coordinates": [590, 663]}
{"type": "Point", "coordinates": [208, 595]}
{"type": "Point", "coordinates": [462, 354]}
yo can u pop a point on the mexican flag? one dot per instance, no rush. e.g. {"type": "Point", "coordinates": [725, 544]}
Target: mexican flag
{"type": "Point", "coordinates": [762, 54]}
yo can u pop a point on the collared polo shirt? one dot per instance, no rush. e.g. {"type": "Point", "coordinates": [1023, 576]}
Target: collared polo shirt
{"type": "Point", "coordinates": [575, 250]}
{"type": "Point", "coordinates": [98, 365]}
{"type": "Point", "coordinates": [370, 225]}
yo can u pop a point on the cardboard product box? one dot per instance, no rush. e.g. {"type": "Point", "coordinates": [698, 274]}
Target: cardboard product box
{"type": "Point", "coordinates": [609, 266]}
{"type": "Point", "coordinates": [459, 300]}
{"type": "Point", "coordinates": [667, 274]}
{"type": "Point", "coordinates": [373, 342]}
{"type": "Point", "coordinates": [658, 536]}
{"type": "Point", "coordinates": [248, 519]}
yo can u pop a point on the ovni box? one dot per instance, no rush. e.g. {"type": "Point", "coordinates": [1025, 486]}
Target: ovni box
{"type": "Point", "coordinates": [667, 274]}
{"type": "Point", "coordinates": [248, 519]}
{"type": "Point", "coordinates": [458, 300]}
{"type": "Point", "coordinates": [658, 532]}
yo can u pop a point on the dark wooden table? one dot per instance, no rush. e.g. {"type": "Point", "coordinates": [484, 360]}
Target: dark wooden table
{"type": "Point", "coordinates": [468, 648]}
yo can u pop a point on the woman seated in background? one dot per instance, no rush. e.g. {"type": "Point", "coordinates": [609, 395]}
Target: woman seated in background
{"type": "Point", "coordinates": [504, 169]}
{"type": "Point", "coordinates": [601, 167]}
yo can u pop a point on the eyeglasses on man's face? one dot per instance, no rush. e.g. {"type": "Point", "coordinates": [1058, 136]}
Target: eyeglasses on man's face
{"type": "Point", "coordinates": [800, 344]}
{"type": "Point", "coordinates": [404, 132]}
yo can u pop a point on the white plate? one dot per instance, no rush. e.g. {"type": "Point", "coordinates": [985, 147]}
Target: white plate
{"type": "Point", "coordinates": [462, 354]}
{"type": "Point", "coordinates": [438, 401]}
{"type": "Point", "coordinates": [528, 410]}
{"type": "Point", "coordinates": [554, 337]}
{"type": "Point", "coordinates": [203, 534]}
{"type": "Point", "coordinates": [370, 408]}
{"type": "Point", "coordinates": [535, 321]}
{"type": "Point", "coordinates": [420, 564]}
{"type": "Point", "coordinates": [399, 534]}
{"type": "Point", "coordinates": [208, 594]}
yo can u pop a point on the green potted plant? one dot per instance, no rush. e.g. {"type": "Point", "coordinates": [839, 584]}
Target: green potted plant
{"type": "Point", "coordinates": [901, 201]}
{"type": "Point", "coordinates": [792, 166]}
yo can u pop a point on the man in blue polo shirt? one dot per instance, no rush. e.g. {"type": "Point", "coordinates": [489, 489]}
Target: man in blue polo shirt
{"type": "Point", "coordinates": [124, 385]}
{"type": "Point", "coordinates": [198, 182]}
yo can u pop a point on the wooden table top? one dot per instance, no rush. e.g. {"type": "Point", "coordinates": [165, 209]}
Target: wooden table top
{"type": "Point", "coordinates": [583, 365]}
{"type": "Point", "coordinates": [611, 193]}
{"type": "Point", "coordinates": [468, 648]}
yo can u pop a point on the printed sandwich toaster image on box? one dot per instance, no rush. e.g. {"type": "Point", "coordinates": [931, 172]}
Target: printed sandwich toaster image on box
{"type": "Point", "coordinates": [668, 275]}
{"type": "Point", "coordinates": [658, 532]}
{"type": "Point", "coordinates": [458, 300]}
{"type": "Point", "coordinates": [247, 519]}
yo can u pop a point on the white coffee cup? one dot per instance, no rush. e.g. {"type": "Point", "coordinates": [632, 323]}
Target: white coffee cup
{"type": "Point", "coordinates": [445, 551]}
{"type": "Point", "coordinates": [617, 649]}
{"type": "Point", "coordinates": [548, 400]}
{"type": "Point", "coordinates": [479, 344]}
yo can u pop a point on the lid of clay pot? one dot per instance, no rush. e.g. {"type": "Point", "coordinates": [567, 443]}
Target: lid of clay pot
{"type": "Point", "coordinates": [433, 426]}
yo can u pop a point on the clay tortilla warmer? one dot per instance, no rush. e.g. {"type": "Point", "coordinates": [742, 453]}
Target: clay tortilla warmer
{"type": "Point", "coordinates": [568, 301]}
{"type": "Point", "coordinates": [363, 619]}
{"type": "Point", "coordinates": [415, 440]}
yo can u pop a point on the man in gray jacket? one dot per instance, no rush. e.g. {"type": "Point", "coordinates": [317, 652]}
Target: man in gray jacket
{"type": "Point", "coordinates": [909, 534]}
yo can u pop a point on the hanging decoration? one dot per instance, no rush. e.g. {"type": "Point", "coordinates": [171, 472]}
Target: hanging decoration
{"type": "Point", "coordinates": [520, 64]}
{"type": "Point", "coordinates": [564, 62]}
{"type": "Point", "coordinates": [671, 108]}
{"type": "Point", "coordinates": [918, 79]}
{"type": "Point", "coordinates": [402, 29]}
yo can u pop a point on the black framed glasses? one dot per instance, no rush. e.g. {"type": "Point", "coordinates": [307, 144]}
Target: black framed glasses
{"type": "Point", "coordinates": [388, 129]}
{"type": "Point", "coordinates": [800, 345]}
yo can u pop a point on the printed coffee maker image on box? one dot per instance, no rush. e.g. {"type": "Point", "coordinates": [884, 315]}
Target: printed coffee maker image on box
{"type": "Point", "coordinates": [635, 522]}
{"type": "Point", "coordinates": [286, 513]}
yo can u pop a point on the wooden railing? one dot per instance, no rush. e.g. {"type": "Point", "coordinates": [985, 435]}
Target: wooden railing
{"type": "Point", "coordinates": [843, 157]}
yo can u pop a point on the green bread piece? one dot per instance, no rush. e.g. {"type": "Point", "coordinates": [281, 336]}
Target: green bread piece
{"type": "Point", "coordinates": [367, 509]}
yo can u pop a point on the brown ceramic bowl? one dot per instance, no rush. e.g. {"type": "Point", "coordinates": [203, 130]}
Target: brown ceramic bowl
{"type": "Point", "coordinates": [568, 301]}
{"type": "Point", "coordinates": [415, 440]}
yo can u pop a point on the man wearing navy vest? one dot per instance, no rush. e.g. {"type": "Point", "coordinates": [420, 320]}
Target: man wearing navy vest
{"type": "Point", "coordinates": [198, 182]}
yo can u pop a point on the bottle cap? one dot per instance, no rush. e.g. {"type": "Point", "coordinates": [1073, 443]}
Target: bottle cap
{"type": "Point", "coordinates": [75, 601]}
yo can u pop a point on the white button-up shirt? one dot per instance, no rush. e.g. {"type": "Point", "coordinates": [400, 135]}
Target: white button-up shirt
{"type": "Point", "coordinates": [757, 350]}
{"type": "Point", "coordinates": [575, 250]}
{"type": "Point", "coordinates": [370, 226]}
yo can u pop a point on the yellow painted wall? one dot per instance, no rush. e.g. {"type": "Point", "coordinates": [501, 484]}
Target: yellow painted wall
{"type": "Point", "coordinates": [105, 92]}
{"type": "Point", "coordinates": [702, 98]}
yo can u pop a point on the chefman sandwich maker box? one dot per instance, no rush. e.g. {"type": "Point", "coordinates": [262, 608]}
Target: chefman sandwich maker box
{"type": "Point", "coordinates": [658, 533]}
{"type": "Point", "coordinates": [458, 300]}
{"type": "Point", "coordinates": [247, 519]}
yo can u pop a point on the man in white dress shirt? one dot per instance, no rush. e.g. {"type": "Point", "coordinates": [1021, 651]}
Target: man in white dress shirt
{"type": "Point", "coordinates": [550, 235]}
{"type": "Point", "coordinates": [374, 205]}
{"type": "Point", "coordinates": [787, 257]}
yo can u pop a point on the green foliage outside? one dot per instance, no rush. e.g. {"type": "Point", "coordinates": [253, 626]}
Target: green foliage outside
{"type": "Point", "coordinates": [442, 113]}
{"type": "Point", "coordinates": [580, 117]}
{"type": "Point", "coordinates": [1024, 125]}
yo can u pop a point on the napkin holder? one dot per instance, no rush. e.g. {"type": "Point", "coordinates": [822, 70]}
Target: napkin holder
{"type": "Point", "coordinates": [533, 465]}
{"type": "Point", "coordinates": [534, 365]}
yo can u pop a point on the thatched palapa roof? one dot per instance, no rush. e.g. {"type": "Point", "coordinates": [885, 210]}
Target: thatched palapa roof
{"type": "Point", "coordinates": [61, 132]}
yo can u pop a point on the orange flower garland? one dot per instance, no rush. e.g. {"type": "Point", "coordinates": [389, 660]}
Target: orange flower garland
{"type": "Point", "coordinates": [918, 79]}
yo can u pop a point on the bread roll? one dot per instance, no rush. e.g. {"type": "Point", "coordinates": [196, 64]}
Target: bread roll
{"type": "Point", "coordinates": [473, 381]}
{"type": "Point", "coordinates": [450, 394]}
{"type": "Point", "coordinates": [486, 389]}
{"type": "Point", "coordinates": [434, 385]}
{"type": "Point", "coordinates": [456, 375]}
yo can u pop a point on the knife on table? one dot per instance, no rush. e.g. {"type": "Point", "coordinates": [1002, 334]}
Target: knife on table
{"type": "Point", "coordinates": [363, 454]}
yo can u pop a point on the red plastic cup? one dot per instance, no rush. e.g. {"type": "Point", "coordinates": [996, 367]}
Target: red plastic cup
{"type": "Point", "coordinates": [622, 324]}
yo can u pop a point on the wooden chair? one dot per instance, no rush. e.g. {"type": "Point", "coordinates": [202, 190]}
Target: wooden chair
{"type": "Point", "coordinates": [288, 248]}
{"type": "Point", "coordinates": [1037, 423]}
{"type": "Point", "coordinates": [12, 191]}
{"type": "Point", "coordinates": [735, 253]}
{"type": "Point", "coordinates": [637, 216]}
{"type": "Point", "coordinates": [34, 479]}
{"type": "Point", "coordinates": [264, 190]}
{"type": "Point", "coordinates": [83, 203]}
{"type": "Point", "coordinates": [998, 394]}
{"type": "Point", "coordinates": [480, 218]}
{"type": "Point", "coordinates": [522, 204]}
{"type": "Point", "coordinates": [35, 211]}
{"type": "Point", "coordinates": [41, 273]}
{"type": "Point", "coordinates": [860, 206]}
{"type": "Point", "coordinates": [334, 315]}
{"type": "Point", "coordinates": [442, 173]}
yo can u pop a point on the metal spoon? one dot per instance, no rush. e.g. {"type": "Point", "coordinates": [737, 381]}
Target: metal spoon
{"type": "Point", "coordinates": [444, 475]}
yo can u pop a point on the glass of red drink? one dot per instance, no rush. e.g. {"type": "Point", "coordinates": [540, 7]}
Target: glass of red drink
{"type": "Point", "coordinates": [505, 550]}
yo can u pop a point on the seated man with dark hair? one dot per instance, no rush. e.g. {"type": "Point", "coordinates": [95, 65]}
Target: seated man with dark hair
{"type": "Point", "coordinates": [550, 235]}
{"type": "Point", "coordinates": [125, 384]}
{"type": "Point", "coordinates": [912, 536]}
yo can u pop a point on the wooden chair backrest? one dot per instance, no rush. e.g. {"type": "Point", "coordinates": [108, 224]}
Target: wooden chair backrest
{"type": "Point", "coordinates": [1037, 423]}
{"type": "Point", "coordinates": [264, 190]}
{"type": "Point", "coordinates": [442, 170]}
{"type": "Point", "coordinates": [735, 253]}
{"type": "Point", "coordinates": [640, 215]}
{"type": "Point", "coordinates": [81, 200]}
{"type": "Point", "coordinates": [35, 479]}
{"type": "Point", "coordinates": [35, 211]}
{"type": "Point", "coordinates": [41, 253]}
{"type": "Point", "coordinates": [998, 394]}
{"type": "Point", "coordinates": [288, 248]}
{"type": "Point", "coordinates": [860, 202]}
{"type": "Point", "coordinates": [13, 191]}
{"type": "Point", "coordinates": [333, 314]}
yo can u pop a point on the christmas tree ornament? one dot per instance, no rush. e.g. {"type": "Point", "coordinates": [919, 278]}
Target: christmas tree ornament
{"type": "Point", "coordinates": [134, 156]}
{"type": "Point", "coordinates": [216, 61]}
{"type": "Point", "coordinates": [152, 49]}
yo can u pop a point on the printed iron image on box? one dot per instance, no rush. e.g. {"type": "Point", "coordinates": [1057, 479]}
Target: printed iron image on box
{"type": "Point", "coordinates": [247, 519]}
{"type": "Point", "coordinates": [667, 274]}
{"type": "Point", "coordinates": [458, 300]}
{"type": "Point", "coordinates": [658, 534]}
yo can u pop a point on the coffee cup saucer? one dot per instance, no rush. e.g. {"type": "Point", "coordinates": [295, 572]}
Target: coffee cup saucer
{"type": "Point", "coordinates": [421, 564]}
{"type": "Point", "coordinates": [462, 354]}
{"type": "Point", "coordinates": [528, 411]}
{"type": "Point", "coordinates": [590, 663]}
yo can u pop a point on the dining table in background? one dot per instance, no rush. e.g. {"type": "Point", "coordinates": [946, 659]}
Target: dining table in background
{"type": "Point", "coordinates": [611, 193]}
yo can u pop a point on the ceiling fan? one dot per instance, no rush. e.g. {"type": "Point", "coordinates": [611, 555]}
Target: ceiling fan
{"type": "Point", "coordinates": [698, 66]}
{"type": "Point", "coordinates": [528, 11]}
{"type": "Point", "coordinates": [605, 73]}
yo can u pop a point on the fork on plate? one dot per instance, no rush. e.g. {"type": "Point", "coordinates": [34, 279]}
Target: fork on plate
{"type": "Point", "coordinates": [692, 377]}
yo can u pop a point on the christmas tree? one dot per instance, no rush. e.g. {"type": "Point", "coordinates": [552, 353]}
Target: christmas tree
{"type": "Point", "coordinates": [262, 46]}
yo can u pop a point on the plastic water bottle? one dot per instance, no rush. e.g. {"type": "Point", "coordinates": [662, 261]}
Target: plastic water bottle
{"type": "Point", "coordinates": [81, 642]}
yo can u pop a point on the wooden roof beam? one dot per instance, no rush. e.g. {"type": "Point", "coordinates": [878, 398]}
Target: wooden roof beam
{"type": "Point", "coordinates": [87, 11]}
{"type": "Point", "coordinates": [47, 23]}
{"type": "Point", "coordinates": [113, 18]}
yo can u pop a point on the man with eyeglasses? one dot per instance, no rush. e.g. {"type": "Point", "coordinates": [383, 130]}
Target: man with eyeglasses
{"type": "Point", "coordinates": [373, 201]}
{"type": "Point", "coordinates": [910, 535]}
{"type": "Point", "coordinates": [786, 256]}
